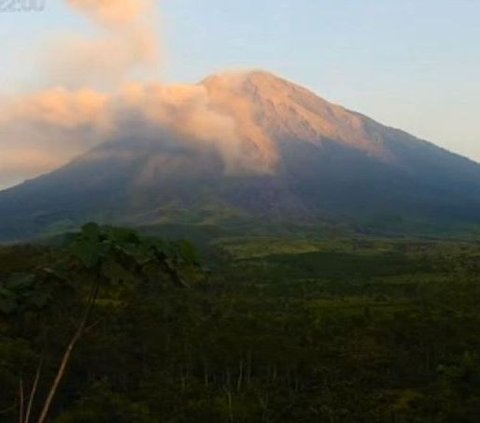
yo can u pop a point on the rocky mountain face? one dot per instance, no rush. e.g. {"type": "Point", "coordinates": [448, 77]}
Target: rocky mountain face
{"type": "Point", "coordinates": [298, 157]}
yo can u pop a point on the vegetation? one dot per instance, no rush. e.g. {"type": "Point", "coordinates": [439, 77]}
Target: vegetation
{"type": "Point", "coordinates": [117, 327]}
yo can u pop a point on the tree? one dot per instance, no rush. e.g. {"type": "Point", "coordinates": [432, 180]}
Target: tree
{"type": "Point", "coordinates": [96, 258]}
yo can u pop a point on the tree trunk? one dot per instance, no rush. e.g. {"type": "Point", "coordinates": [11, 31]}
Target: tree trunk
{"type": "Point", "coordinates": [33, 392]}
{"type": "Point", "coordinates": [68, 352]}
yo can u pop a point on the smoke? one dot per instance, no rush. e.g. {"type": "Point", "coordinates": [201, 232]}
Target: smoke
{"type": "Point", "coordinates": [113, 13]}
{"type": "Point", "coordinates": [57, 108]}
{"type": "Point", "coordinates": [42, 131]}
{"type": "Point", "coordinates": [18, 163]}
{"type": "Point", "coordinates": [124, 45]}
{"type": "Point", "coordinates": [185, 111]}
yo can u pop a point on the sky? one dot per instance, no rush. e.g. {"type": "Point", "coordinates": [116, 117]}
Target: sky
{"type": "Point", "coordinates": [411, 64]}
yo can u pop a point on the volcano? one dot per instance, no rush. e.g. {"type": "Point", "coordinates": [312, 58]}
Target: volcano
{"type": "Point", "coordinates": [299, 158]}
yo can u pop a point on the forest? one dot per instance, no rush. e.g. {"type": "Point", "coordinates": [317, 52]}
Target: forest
{"type": "Point", "coordinates": [112, 325]}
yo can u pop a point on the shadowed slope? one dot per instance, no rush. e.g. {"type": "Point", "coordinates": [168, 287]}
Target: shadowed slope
{"type": "Point", "coordinates": [303, 158]}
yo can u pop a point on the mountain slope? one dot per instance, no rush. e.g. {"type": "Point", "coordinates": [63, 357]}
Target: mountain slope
{"type": "Point", "coordinates": [300, 157]}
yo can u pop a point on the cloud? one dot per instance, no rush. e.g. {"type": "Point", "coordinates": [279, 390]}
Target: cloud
{"type": "Point", "coordinates": [43, 130]}
{"type": "Point", "coordinates": [18, 163]}
{"type": "Point", "coordinates": [102, 62]}
{"type": "Point", "coordinates": [125, 44]}
{"type": "Point", "coordinates": [113, 12]}
{"type": "Point", "coordinates": [66, 123]}
{"type": "Point", "coordinates": [186, 111]}
{"type": "Point", "coordinates": [58, 108]}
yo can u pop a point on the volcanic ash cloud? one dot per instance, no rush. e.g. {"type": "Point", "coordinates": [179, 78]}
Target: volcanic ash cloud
{"type": "Point", "coordinates": [92, 100]}
{"type": "Point", "coordinates": [125, 44]}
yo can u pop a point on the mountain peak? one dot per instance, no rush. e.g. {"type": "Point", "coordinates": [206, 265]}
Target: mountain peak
{"type": "Point", "coordinates": [285, 110]}
{"type": "Point", "coordinates": [240, 76]}
{"type": "Point", "coordinates": [294, 156]}
{"type": "Point", "coordinates": [250, 81]}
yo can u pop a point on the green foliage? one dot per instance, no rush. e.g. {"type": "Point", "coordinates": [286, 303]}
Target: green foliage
{"type": "Point", "coordinates": [119, 254]}
{"type": "Point", "coordinates": [282, 330]}
{"type": "Point", "coordinates": [101, 404]}
{"type": "Point", "coordinates": [53, 304]}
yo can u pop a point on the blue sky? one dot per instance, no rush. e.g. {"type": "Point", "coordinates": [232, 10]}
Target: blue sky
{"type": "Point", "coordinates": [413, 64]}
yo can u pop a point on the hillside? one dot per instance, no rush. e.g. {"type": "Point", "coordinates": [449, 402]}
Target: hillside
{"type": "Point", "coordinates": [295, 157]}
